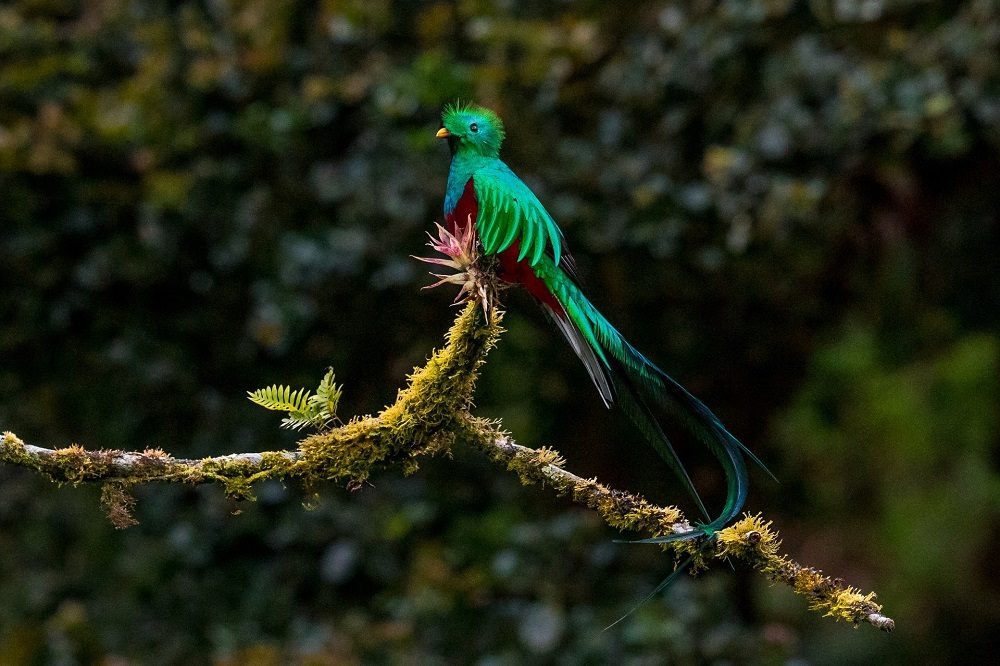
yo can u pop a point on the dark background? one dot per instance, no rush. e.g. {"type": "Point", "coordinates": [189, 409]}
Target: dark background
{"type": "Point", "coordinates": [790, 206]}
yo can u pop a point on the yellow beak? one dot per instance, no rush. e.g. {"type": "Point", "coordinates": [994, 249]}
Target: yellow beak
{"type": "Point", "coordinates": [442, 133]}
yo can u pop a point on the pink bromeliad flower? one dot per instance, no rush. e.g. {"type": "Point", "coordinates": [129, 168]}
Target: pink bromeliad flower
{"type": "Point", "coordinates": [461, 252]}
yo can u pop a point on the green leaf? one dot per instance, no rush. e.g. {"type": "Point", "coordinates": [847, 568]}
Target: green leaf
{"type": "Point", "coordinates": [300, 420]}
{"type": "Point", "coordinates": [281, 398]}
{"type": "Point", "coordinates": [305, 410]}
{"type": "Point", "coordinates": [327, 396]}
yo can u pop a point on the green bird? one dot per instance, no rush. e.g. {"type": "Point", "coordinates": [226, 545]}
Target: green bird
{"type": "Point", "coordinates": [486, 199]}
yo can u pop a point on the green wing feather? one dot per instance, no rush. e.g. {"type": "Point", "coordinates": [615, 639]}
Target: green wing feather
{"type": "Point", "coordinates": [509, 211]}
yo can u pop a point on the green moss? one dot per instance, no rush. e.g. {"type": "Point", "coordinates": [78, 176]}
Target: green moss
{"type": "Point", "coordinates": [621, 510]}
{"type": "Point", "coordinates": [749, 538]}
{"type": "Point", "coordinates": [753, 540]}
{"type": "Point", "coordinates": [239, 488]}
{"type": "Point", "coordinates": [423, 418]}
{"type": "Point", "coordinates": [12, 449]}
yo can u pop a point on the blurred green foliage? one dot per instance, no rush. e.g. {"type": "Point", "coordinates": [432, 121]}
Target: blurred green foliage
{"type": "Point", "coordinates": [792, 206]}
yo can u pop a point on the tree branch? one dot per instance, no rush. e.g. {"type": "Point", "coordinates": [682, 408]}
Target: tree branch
{"type": "Point", "coordinates": [426, 418]}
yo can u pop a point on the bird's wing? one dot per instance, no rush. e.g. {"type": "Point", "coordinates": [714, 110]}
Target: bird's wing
{"type": "Point", "coordinates": [509, 211]}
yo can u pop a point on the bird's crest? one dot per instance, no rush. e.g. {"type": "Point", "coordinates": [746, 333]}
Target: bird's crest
{"type": "Point", "coordinates": [474, 127]}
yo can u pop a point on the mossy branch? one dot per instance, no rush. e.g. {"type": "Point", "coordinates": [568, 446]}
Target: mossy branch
{"type": "Point", "coordinates": [426, 418]}
{"type": "Point", "coordinates": [751, 539]}
{"type": "Point", "coordinates": [421, 421]}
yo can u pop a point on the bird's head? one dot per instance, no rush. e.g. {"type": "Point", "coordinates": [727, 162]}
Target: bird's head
{"type": "Point", "coordinates": [471, 129]}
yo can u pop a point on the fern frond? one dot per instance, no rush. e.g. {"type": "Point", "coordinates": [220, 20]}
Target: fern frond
{"type": "Point", "coordinates": [281, 398]}
{"type": "Point", "coordinates": [305, 410]}
{"type": "Point", "coordinates": [300, 420]}
{"type": "Point", "coordinates": [327, 396]}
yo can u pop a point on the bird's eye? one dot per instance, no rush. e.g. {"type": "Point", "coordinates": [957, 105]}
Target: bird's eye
{"type": "Point", "coordinates": [474, 127]}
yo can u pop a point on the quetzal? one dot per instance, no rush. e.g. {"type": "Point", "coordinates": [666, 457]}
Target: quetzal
{"type": "Point", "coordinates": [513, 226]}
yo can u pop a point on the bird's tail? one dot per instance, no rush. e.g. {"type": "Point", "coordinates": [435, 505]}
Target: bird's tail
{"type": "Point", "coordinates": [643, 391]}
